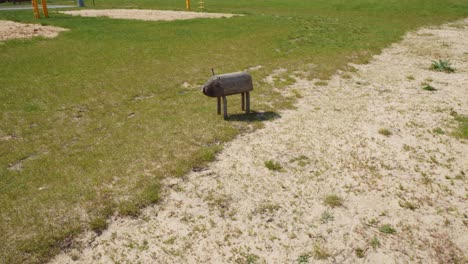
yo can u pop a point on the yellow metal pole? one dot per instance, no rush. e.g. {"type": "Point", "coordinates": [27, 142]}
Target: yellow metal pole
{"type": "Point", "coordinates": [187, 4]}
{"type": "Point", "coordinates": [44, 8]}
{"type": "Point", "coordinates": [36, 9]}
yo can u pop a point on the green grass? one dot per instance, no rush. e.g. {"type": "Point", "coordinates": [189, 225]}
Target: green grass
{"type": "Point", "coordinates": [320, 252]}
{"type": "Point", "coordinates": [387, 229]}
{"type": "Point", "coordinates": [333, 200]}
{"type": "Point", "coordinates": [438, 130]}
{"type": "Point", "coordinates": [375, 242]}
{"type": "Point", "coordinates": [360, 253]}
{"type": "Point", "coordinates": [304, 258]}
{"type": "Point", "coordinates": [462, 126]}
{"type": "Point", "coordinates": [92, 120]}
{"type": "Point", "coordinates": [385, 132]}
{"type": "Point", "coordinates": [428, 87]}
{"type": "Point", "coordinates": [326, 217]}
{"type": "Point", "coordinates": [273, 165]}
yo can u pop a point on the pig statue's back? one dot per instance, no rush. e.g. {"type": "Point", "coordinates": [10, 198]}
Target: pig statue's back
{"type": "Point", "coordinates": [228, 84]}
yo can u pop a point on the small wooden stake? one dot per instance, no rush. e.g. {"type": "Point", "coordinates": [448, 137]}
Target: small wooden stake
{"type": "Point", "coordinates": [187, 5]}
{"type": "Point", "coordinates": [44, 8]}
{"type": "Point", "coordinates": [35, 9]}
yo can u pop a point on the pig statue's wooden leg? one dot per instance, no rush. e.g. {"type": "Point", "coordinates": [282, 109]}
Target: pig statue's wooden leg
{"type": "Point", "coordinates": [225, 107]}
{"type": "Point", "coordinates": [247, 110]}
{"type": "Point", "coordinates": [219, 105]}
{"type": "Point", "coordinates": [243, 101]}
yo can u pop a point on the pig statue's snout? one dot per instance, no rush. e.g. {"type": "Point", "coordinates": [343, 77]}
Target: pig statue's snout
{"type": "Point", "coordinates": [211, 88]}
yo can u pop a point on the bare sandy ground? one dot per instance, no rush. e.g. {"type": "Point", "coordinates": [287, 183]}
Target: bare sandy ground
{"type": "Point", "coordinates": [149, 15]}
{"type": "Point", "coordinates": [414, 180]}
{"type": "Point", "coordinates": [14, 30]}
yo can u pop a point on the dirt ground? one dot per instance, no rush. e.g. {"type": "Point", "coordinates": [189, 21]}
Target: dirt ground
{"type": "Point", "coordinates": [14, 30]}
{"type": "Point", "coordinates": [403, 190]}
{"type": "Point", "coordinates": [149, 15]}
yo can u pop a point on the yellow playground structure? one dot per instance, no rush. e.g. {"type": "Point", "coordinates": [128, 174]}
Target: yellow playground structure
{"type": "Point", "coordinates": [201, 6]}
{"type": "Point", "coordinates": [36, 8]}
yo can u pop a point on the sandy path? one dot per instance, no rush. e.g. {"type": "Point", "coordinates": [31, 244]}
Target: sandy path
{"type": "Point", "coordinates": [238, 211]}
{"type": "Point", "coordinates": [14, 30]}
{"type": "Point", "coordinates": [142, 14]}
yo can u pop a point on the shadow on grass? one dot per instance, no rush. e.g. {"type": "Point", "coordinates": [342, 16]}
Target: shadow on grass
{"type": "Point", "coordinates": [253, 116]}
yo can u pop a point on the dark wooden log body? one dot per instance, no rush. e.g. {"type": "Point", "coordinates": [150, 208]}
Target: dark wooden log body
{"type": "Point", "coordinates": [223, 85]}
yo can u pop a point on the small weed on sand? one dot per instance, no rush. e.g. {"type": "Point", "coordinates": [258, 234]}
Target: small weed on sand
{"type": "Point", "coordinates": [385, 132]}
{"type": "Point", "coordinates": [326, 217]}
{"type": "Point", "coordinates": [274, 166]}
{"type": "Point", "coordinates": [333, 200]}
{"type": "Point", "coordinates": [426, 180]}
{"type": "Point", "coordinates": [375, 243]}
{"type": "Point", "coordinates": [438, 130]}
{"type": "Point", "coordinates": [267, 207]}
{"type": "Point", "coordinates": [304, 258]}
{"type": "Point", "coordinates": [408, 205]}
{"type": "Point", "coordinates": [301, 160]}
{"type": "Point", "coordinates": [170, 241]}
{"type": "Point", "coordinates": [321, 83]}
{"type": "Point", "coordinates": [359, 252]}
{"type": "Point", "coordinates": [429, 88]}
{"type": "Point", "coordinates": [320, 252]}
{"type": "Point", "coordinates": [442, 66]}
{"type": "Point", "coordinates": [296, 93]}
{"type": "Point", "coordinates": [462, 130]}
{"type": "Point", "coordinates": [387, 229]}
{"type": "Point", "coordinates": [246, 257]}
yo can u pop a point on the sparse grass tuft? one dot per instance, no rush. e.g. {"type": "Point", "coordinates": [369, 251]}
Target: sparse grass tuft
{"type": "Point", "coordinates": [462, 129]}
{"type": "Point", "coordinates": [246, 257]}
{"type": "Point", "coordinates": [375, 243]}
{"type": "Point", "coordinates": [274, 166]}
{"type": "Point", "coordinates": [267, 207]}
{"type": "Point", "coordinates": [442, 66]}
{"type": "Point", "coordinates": [296, 93]}
{"type": "Point", "coordinates": [426, 179]}
{"type": "Point", "coordinates": [333, 200]}
{"type": "Point", "coordinates": [326, 217]}
{"type": "Point", "coordinates": [385, 132]}
{"type": "Point", "coordinates": [170, 241]}
{"type": "Point", "coordinates": [360, 253]}
{"type": "Point", "coordinates": [321, 83]}
{"type": "Point", "coordinates": [320, 252]}
{"type": "Point", "coordinates": [429, 88]}
{"type": "Point", "coordinates": [98, 224]}
{"type": "Point", "coordinates": [304, 258]}
{"type": "Point", "coordinates": [301, 160]}
{"type": "Point", "coordinates": [438, 130]}
{"type": "Point", "coordinates": [408, 205]}
{"type": "Point", "coordinates": [387, 229]}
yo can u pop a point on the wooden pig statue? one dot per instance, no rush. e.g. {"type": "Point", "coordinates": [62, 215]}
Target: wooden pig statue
{"type": "Point", "coordinates": [222, 85]}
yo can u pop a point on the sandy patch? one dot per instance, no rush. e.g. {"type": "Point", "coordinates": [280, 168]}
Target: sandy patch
{"type": "Point", "coordinates": [404, 195]}
{"type": "Point", "coordinates": [14, 30]}
{"type": "Point", "coordinates": [149, 15]}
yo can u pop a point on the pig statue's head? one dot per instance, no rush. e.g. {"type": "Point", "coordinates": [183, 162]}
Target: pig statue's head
{"type": "Point", "coordinates": [212, 87]}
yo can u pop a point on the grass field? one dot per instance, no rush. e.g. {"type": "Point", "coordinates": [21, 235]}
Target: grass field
{"type": "Point", "coordinates": [92, 120]}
